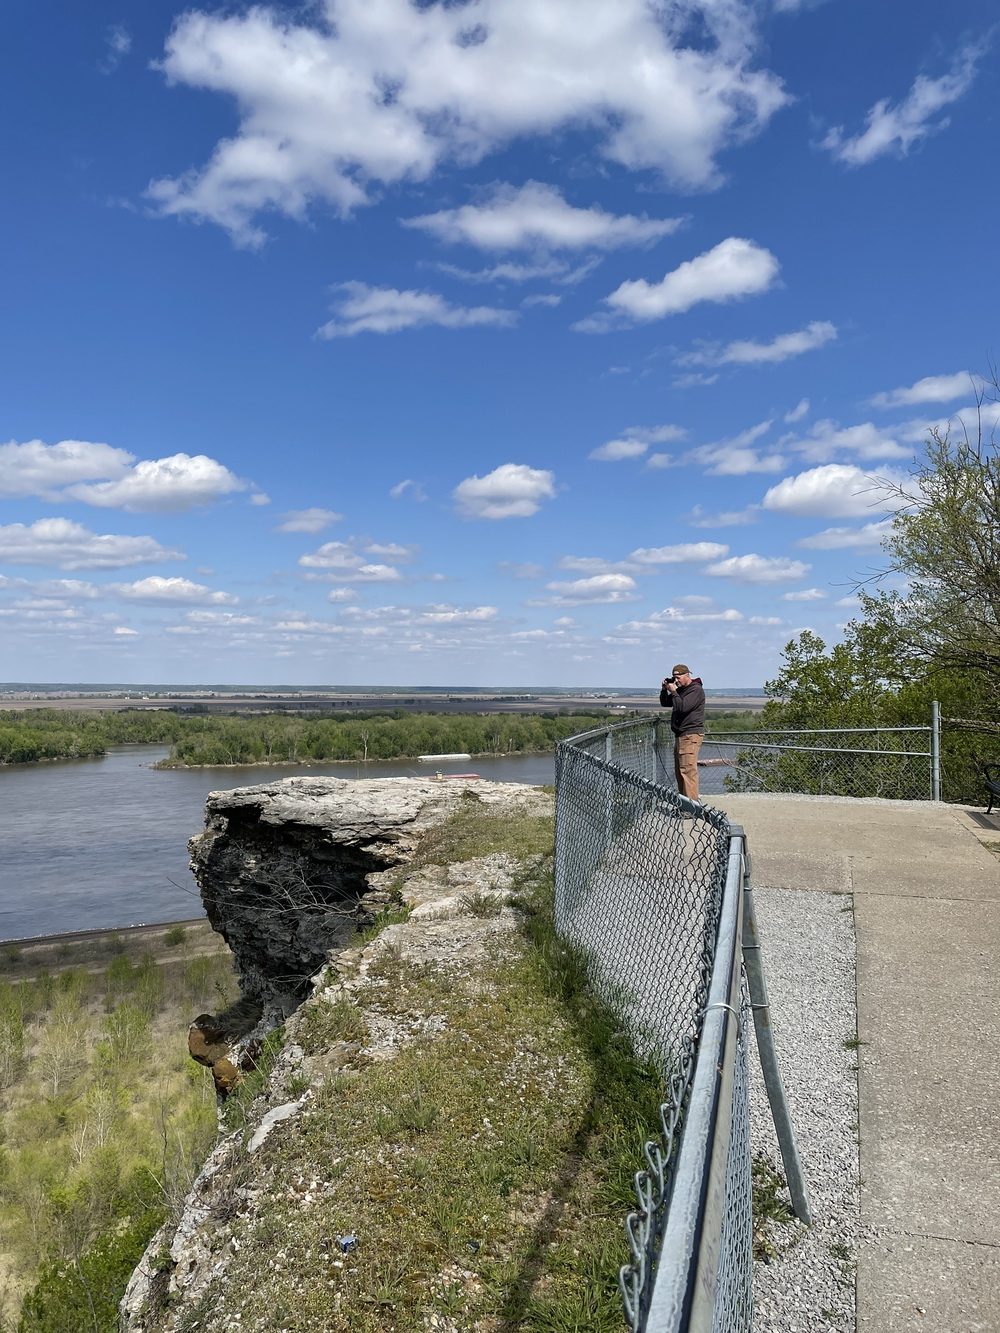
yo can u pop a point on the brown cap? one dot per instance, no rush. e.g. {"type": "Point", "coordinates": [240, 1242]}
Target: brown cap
{"type": "Point", "coordinates": [680, 670]}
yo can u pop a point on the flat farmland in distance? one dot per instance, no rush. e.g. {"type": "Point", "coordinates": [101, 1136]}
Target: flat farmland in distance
{"type": "Point", "coordinates": [362, 701]}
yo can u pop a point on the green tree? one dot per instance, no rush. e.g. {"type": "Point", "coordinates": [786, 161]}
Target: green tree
{"type": "Point", "coordinates": [945, 542]}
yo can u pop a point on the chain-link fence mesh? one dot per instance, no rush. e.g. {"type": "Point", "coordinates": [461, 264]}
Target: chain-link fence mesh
{"type": "Point", "coordinates": [894, 763]}
{"type": "Point", "coordinates": [642, 876]}
{"type": "Point", "coordinates": [733, 1303]}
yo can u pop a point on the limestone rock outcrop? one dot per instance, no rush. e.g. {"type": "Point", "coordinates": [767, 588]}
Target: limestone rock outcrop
{"type": "Point", "coordinates": [284, 867]}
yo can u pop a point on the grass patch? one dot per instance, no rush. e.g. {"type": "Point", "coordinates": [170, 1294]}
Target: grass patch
{"type": "Point", "coordinates": [769, 1208]}
{"type": "Point", "coordinates": [252, 1084]}
{"type": "Point", "coordinates": [476, 830]}
{"type": "Point", "coordinates": [393, 915]}
{"type": "Point", "coordinates": [330, 1021]}
{"type": "Point", "coordinates": [481, 904]}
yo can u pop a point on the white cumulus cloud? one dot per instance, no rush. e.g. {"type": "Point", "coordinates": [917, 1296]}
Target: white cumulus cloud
{"type": "Point", "coordinates": [43, 470]}
{"type": "Point", "coordinates": [344, 563]}
{"type": "Point", "coordinates": [865, 440]}
{"type": "Point", "coordinates": [597, 588]}
{"type": "Point", "coordinates": [683, 553]}
{"type": "Point", "coordinates": [408, 487]}
{"type": "Point", "coordinates": [931, 389]}
{"type": "Point", "coordinates": [162, 484]}
{"type": "Point", "coordinates": [342, 98]}
{"type": "Point", "coordinates": [68, 545]}
{"type": "Point", "coordinates": [681, 615]}
{"type": "Point", "coordinates": [512, 490]}
{"type": "Point", "coordinates": [835, 490]}
{"type": "Point", "coordinates": [733, 269]}
{"type": "Point", "coordinates": [174, 591]}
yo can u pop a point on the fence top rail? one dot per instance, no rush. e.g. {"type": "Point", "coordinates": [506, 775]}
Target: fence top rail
{"type": "Point", "coordinates": [603, 731]}
{"type": "Point", "coordinates": [819, 731]}
{"type": "Point", "coordinates": [819, 749]}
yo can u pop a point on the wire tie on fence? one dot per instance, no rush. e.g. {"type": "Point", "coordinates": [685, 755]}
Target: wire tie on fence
{"type": "Point", "coordinates": [721, 1004]}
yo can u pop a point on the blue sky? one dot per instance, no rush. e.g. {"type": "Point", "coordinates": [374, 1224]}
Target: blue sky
{"type": "Point", "coordinates": [501, 342]}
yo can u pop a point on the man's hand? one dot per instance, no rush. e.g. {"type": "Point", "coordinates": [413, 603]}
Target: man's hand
{"type": "Point", "coordinates": [668, 684]}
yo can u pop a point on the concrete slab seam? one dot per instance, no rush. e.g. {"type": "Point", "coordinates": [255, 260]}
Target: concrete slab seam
{"type": "Point", "coordinates": [888, 1233]}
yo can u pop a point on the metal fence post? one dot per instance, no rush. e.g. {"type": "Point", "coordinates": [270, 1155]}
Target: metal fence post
{"type": "Point", "coordinates": [609, 814]}
{"type": "Point", "coordinates": [935, 751]}
{"type": "Point", "coordinates": [757, 987]}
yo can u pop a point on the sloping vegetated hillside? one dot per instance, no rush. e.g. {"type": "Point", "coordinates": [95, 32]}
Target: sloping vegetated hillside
{"type": "Point", "coordinates": [446, 1134]}
{"type": "Point", "coordinates": [105, 1119]}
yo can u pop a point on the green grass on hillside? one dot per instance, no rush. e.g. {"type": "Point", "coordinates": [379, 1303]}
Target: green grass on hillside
{"type": "Point", "coordinates": [106, 1120]}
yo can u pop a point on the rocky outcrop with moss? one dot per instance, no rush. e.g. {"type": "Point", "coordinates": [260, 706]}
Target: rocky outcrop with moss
{"type": "Point", "coordinates": [432, 1138]}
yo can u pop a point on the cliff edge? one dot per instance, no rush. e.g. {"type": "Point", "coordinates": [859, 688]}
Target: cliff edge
{"type": "Point", "coordinates": [410, 1143]}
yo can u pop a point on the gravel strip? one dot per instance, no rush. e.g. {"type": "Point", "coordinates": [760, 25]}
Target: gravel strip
{"type": "Point", "coordinates": [809, 961]}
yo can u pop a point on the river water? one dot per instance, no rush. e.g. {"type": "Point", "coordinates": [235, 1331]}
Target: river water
{"type": "Point", "coordinates": [93, 843]}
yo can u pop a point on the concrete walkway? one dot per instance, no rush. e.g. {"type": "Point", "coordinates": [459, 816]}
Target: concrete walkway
{"type": "Point", "coordinates": [927, 915]}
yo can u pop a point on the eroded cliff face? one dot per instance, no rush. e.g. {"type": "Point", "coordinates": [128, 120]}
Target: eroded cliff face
{"type": "Point", "coordinates": [284, 868]}
{"type": "Point", "coordinates": [287, 871]}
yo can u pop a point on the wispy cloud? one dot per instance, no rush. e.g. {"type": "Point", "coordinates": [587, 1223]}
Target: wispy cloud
{"type": "Point", "coordinates": [746, 352]}
{"type": "Point", "coordinates": [408, 488]}
{"type": "Point", "coordinates": [117, 45]}
{"type": "Point", "coordinates": [896, 128]}
{"type": "Point", "coordinates": [536, 216]}
{"type": "Point", "coordinates": [307, 520]}
{"type": "Point", "coordinates": [359, 308]}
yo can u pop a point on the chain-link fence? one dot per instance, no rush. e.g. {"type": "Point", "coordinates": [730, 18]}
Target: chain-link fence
{"type": "Point", "coordinates": [651, 886]}
{"type": "Point", "coordinates": [897, 763]}
{"type": "Point", "coordinates": [641, 878]}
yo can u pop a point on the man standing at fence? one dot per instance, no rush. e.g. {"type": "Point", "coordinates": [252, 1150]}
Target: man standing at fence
{"type": "Point", "coordinates": [683, 694]}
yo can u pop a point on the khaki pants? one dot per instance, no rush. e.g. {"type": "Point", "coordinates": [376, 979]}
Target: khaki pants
{"type": "Point", "coordinates": [686, 763]}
